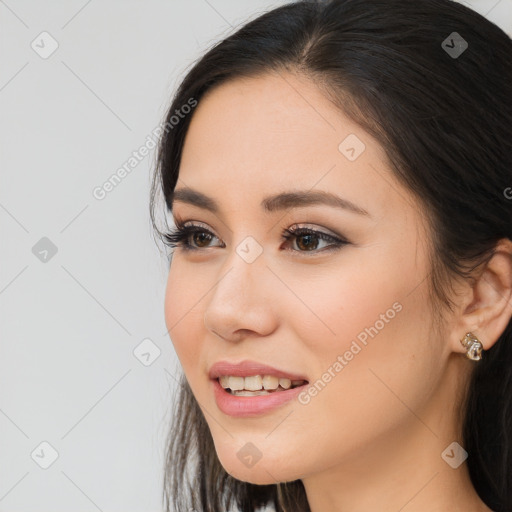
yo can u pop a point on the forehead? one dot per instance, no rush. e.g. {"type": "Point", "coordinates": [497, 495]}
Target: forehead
{"type": "Point", "coordinates": [251, 137]}
{"type": "Point", "coordinates": [260, 121]}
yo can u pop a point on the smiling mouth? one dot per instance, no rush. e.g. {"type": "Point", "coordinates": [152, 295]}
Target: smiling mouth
{"type": "Point", "coordinates": [237, 387]}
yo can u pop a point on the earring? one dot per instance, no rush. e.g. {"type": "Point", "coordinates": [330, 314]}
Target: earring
{"type": "Point", "coordinates": [473, 346]}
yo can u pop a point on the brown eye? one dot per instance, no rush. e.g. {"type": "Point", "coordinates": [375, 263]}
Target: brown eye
{"type": "Point", "coordinates": [308, 240]}
{"type": "Point", "coordinates": [201, 237]}
{"type": "Point", "coordinates": [193, 237]}
{"type": "Point", "coordinates": [189, 238]}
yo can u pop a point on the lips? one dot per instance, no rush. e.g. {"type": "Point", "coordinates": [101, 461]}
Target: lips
{"type": "Point", "coordinates": [251, 406]}
{"type": "Point", "coordinates": [248, 368]}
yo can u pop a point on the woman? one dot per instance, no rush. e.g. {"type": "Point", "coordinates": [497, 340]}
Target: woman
{"type": "Point", "coordinates": [339, 295]}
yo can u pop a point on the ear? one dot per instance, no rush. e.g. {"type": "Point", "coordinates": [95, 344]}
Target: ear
{"type": "Point", "coordinates": [487, 304]}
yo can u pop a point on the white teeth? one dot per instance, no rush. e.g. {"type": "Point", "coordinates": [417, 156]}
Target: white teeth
{"type": "Point", "coordinates": [257, 383]}
{"type": "Point", "coordinates": [285, 383]}
{"type": "Point", "coordinates": [253, 383]}
{"type": "Point", "coordinates": [270, 382]}
{"type": "Point", "coordinates": [236, 383]}
{"type": "Point", "coordinates": [251, 393]}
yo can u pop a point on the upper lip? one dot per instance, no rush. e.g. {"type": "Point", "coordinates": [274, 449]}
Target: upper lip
{"type": "Point", "coordinates": [249, 368]}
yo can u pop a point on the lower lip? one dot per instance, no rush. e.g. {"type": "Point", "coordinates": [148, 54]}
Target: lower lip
{"type": "Point", "coordinates": [243, 406]}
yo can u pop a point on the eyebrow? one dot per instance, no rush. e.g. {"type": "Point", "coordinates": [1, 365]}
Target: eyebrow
{"type": "Point", "coordinates": [274, 203]}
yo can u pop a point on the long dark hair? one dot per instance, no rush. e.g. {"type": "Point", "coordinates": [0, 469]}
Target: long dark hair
{"type": "Point", "coordinates": [443, 113]}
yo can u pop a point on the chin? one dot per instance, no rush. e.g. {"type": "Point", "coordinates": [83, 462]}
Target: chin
{"type": "Point", "coordinates": [254, 475]}
{"type": "Point", "coordinates": [262, 472]}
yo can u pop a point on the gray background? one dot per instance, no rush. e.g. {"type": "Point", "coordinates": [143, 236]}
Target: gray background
{"type": "Point", "coordinates": [72, 320]}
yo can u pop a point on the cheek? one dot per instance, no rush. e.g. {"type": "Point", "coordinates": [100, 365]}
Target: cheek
{"type": "Point", "coordinates": [356, 297]}
{"type": "Point", "coordinates": [183, 315]}
{"type": "Point", "coordinates": [369, 352]}
{"type": "Point", "coordinates": [368, 293]}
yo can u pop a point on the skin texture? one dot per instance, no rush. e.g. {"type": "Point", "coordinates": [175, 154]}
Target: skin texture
{"type": "Point", "coordinates": [372, 438]}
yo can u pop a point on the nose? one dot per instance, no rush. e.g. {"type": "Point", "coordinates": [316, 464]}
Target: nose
{"type": "Point", "coordinates": [241, 301]}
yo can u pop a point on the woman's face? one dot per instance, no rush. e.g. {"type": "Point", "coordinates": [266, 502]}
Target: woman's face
{"type": "Point", "coordinates": [351, 318]}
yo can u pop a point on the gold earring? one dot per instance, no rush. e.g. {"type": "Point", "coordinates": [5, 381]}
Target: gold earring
{"type": "Point", "coordinates": [473, 346]}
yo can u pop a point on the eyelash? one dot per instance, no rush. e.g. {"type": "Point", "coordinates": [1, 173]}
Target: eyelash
{"type": "Point", "coordinates": [179, 237]}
